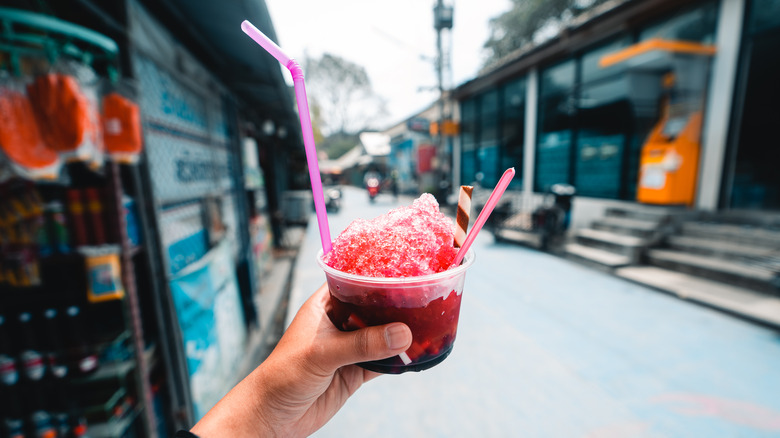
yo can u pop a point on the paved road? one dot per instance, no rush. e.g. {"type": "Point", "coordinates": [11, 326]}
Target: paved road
{"type": "Point", "coordinates": [548, 348]}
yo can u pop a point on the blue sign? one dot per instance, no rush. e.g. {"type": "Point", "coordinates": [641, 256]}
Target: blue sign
{"type": "Point", "coordinates": [211, 319]}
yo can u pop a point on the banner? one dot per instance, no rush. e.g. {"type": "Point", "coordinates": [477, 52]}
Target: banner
{"type": "Point", "coordinates": [211, 319]}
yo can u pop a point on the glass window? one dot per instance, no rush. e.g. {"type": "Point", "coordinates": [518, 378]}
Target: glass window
{"type": "Point", "coordinates": [489, 118]}
{"type": "Point", "coordinates": [556, 111]}
{"type": "Point", "coordinates": [604, 119]}
{"type": "Point", "coordinates": [604, 92]}
{"type": "Point", "coordinates": [764, 15]}
{"type": "Point", "coordinates": [488, 164]}
{"type": "Point", "coordinates": [468, 138]}
{"type": "Point", "coordinates": [693, 25]}
{"type": "Point", "coordinates": [468, 124]}
{"type": "Point", "coordinates": [591, 70]}
{"type": "Point", "coordinates": [558, 79]}
{"type": "Point", "coordinates": [755, 176]}
{"type": "Point", "coordinates": [513, 128]}
{"type": "Point", "coordinates": [469, 167]}
{"type": "Point", "coordinates": [488, 137]}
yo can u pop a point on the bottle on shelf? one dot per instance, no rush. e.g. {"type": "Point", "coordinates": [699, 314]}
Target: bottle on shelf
{"type": "Point", "coordinates": [57, 227]}
{"type": "Point", "coordinates": [42, 238]}
{"type": "Point", "coordinates": [95, 208]}
{"type": "Point", "coordinates": [30, 354]}
{"type": "Point", "coordinates": [11, 414]}
{"type": "Point", "coordinates": [42, 424]}
{"type": "Point", "coordinates": [36, 397]}
{"type": "Point", "coordinates": [78, 224]}
{"type": "Point", "coordinates": [82, 358]}
{"type": "Point", "coordinates": [9, 373]}
{"type": "Point", "coordinates": [53, 348]}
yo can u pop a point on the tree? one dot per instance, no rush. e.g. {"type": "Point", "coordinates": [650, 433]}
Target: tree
{"type": "Point", "coordinates": [526, 20]}
{"type": "Point", "coordinates": [342, 92]}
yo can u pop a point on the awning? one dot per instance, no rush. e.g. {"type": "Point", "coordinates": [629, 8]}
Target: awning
{"type": "Point", "coordinates": [213, 29]}
{"type": "Point", "coordinates": [654, 52]}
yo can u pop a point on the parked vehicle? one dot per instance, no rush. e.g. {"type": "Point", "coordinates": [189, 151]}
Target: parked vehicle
{"type": "Point", "coordinates": [372, 184]}
{"type": "Point", "coordinates": [539, 222]}
{"type": "Point", "coordinates": [333, 197]}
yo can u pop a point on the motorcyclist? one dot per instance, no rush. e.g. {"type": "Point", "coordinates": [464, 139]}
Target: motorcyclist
{"type": "Point", "coordinates": [371, 174]}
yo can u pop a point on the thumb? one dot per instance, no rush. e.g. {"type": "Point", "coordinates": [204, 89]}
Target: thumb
{"type": "Point", "coordinates": [370, 343]}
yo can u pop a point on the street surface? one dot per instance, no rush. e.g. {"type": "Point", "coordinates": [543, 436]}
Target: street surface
{"type": "Point", "coordinates": [549, 348]}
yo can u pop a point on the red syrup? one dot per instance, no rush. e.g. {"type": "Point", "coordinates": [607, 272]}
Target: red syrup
{"type": "Point", "coordinates": [433, 326]}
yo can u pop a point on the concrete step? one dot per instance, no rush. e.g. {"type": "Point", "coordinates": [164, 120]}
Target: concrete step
{"type": "Point", "coordinates": [720, 248]}
{"type": "Point", "coordinates": [732, 271]}
{"type": "Point", "coordinates": [763, 219]}
{"type": "Point", "coordinates": [645, 212]}
{"type": "Point", "coordinates": [630, 246]}
{"type": "Point", "coordinates": [518, 236]}
{"type": "Point", "coordinates": [744, 302]}
{"type": "Point", "coordinates": [741, 234]}
{"type": "Point", "coordinates": [600, 257]}
{"type": "Point", "coordinates": [628, 226]}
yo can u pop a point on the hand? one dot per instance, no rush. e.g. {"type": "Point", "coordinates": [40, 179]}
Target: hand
{"type": "Point", "coordinates": [306, 379]}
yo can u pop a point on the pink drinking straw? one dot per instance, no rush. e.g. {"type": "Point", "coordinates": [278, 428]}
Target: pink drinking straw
{"type": "Point", "coordinates": [483, 215]}
{"type": "Point", "coordinates": [308, 134]}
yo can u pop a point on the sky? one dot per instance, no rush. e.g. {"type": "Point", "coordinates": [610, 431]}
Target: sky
{"type": "Point", "coordinates": [389, 39]}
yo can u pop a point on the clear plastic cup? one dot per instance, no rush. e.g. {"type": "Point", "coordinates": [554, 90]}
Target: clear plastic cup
{"type": "Point", "coordinates": [429, 305]}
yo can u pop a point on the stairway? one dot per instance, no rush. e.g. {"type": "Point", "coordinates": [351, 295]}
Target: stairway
{"type": "Point", "coordinates": [727, 261]}
{"type": "Point", "coordinates": [622, 236]}
{"type": "Point", "coordinates": [740, 254]}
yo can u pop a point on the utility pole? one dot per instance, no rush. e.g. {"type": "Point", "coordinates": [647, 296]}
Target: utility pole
{"type": "Point", "coordinates": [442, 19]}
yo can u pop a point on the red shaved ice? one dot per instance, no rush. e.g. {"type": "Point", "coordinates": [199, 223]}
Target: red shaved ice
{"type": "Point", "coordinates": [406, 242]}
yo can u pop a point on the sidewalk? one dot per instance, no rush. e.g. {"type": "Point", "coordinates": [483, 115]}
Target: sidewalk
{"type": "Point", "coordinates": [552, 348]}
{"type": "Point", "coordinates": [272, 301]}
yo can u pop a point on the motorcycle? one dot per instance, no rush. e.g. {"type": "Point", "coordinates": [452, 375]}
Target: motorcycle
{"type": "Point", "coordinates": [372, 184]}
{"type": "Point", "coordinates": [543, 226]}
{"type": "Point", "coordinates": [333, 199]}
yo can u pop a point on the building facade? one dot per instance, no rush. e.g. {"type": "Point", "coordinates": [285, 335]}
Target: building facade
{"type": "Point", "coordinates": [655, 101]}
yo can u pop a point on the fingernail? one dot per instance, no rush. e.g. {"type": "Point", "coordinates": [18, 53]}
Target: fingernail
{"type": "Point", "coordinates": [396, 336]}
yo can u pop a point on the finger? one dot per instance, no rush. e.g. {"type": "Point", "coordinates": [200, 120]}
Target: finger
{"type": "Point", "coordinates": [370, 343]}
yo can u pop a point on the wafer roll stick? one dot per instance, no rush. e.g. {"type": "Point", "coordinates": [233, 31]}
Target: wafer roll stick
{"type": "Point", "coordinates": [464, 212]}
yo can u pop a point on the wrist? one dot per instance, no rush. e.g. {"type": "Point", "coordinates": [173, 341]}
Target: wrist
{"type": "Point", "coordinates": [239, 414]}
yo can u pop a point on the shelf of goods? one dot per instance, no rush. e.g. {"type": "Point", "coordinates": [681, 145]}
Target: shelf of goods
{"type": "Point", "coordinates": [78, 332]}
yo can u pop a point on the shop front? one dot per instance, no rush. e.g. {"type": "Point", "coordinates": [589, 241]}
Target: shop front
{"type": "Point", "coordinates": [632, 105]}
{"type": "Point", "coordinates": [753, 180]}
{"type": "Point", "coordinates": [135, 217]}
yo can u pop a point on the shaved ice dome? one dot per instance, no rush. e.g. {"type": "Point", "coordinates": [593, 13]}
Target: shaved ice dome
{"type": "Point", "coordinates": [405, 242]}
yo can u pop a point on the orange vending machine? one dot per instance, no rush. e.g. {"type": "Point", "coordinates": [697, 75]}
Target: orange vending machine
{"type": "Point", "coordinates": [669, 161]}
{"type": "Point", "coordinates": [668, 166]}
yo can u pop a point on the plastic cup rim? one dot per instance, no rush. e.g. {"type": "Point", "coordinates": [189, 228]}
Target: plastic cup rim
{"type": "Point", "coordinates": [468, 260]}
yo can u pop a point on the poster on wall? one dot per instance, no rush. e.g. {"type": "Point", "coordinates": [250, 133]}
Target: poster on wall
{"type": "Point", "coordinates": [261, 240]}
{"type": "Point", "coordinates": [211, 319]}
{"type": "Point", "coordinates": [183, 235]}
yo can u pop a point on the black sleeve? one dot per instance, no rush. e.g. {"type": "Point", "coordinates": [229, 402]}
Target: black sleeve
{"type": "Point", "coordinates": [185, 434]}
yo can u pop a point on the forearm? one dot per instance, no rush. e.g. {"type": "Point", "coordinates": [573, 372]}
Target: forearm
{"type": "Point", "coordinates": [238, 414]}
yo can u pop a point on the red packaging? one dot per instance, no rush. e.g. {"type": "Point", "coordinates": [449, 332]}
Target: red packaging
{"type": "Point", "coordinates": [77, 220]}
{"type": "Point", "coordinates": [95, 209]}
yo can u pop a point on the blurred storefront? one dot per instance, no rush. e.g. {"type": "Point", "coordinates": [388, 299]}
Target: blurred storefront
{"type": "Point", "coordinates": [418, 162]}
{"type": "Point", "coordinates": [658, 102]}
{"type": "Point", "coordinates": [148, 256]}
